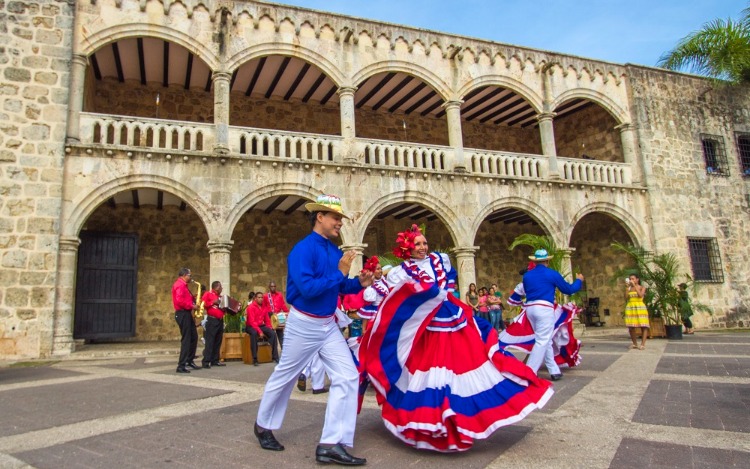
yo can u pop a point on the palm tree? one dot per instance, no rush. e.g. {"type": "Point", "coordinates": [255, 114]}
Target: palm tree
{"type": "Point", "coordinates": [720, 50]}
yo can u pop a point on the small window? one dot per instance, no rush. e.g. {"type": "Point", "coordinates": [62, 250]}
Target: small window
{"type": "Point", "coordinates": [743, 149]}
{"type": "Point", "coordinates": [705, 260]}
{"type": "Point", "coordinates": [714, 155]}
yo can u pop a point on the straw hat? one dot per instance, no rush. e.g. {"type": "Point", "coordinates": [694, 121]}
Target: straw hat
{"type": "Point", "coordinates": [540, 255]}
{"type": "Point", "coordinates": [326, 203]}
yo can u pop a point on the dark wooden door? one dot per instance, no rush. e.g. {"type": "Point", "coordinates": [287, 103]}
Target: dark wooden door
{"type": "Point", "coordinates": [106, 285]}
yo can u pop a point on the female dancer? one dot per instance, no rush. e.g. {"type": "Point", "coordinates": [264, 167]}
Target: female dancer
{"type": "Point", "coordinates": [636, 314]}
{"type": "Point", "coordinates": [440, 379]}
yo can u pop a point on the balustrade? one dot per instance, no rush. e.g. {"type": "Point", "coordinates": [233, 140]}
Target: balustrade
{"type": "Point", "coordinates": [399, 155]}
{"type": "Point", "coordinates": [294, 145]}
{"type": "Point", "coordinates": [515, 165]}
{"type": "Point", "coordinates": [595, 172]}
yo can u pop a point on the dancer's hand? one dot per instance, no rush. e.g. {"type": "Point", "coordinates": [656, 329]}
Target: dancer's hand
{"type": "Point", "coordinates": [345, 264]}
{"type": "Point", "coordinates": [579, 276]}
{"type": "Point", "coordinates": [365, 278]}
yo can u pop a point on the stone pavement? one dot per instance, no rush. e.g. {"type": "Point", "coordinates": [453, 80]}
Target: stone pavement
{"type": "Point", "coordinates": [677, 404]}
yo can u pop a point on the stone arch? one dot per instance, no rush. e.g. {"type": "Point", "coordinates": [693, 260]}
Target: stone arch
{"type": "Point", "coordinates": [443, 211]}
{"type": "Point", "coordinates": [547, 223]}
{"type": "Point", "coordinates": [607, 103]}
{"type": "Point", "coordinates": [424, 74]}
{"type": "Point", "coordinates": [271, 190]}
{"type": "Point", "coordinates": [109, 35]}
{"type": "Point", "coordinates": [293, 50]}
{"type": "Point", "coordinates": [88, 202]}
{"type": "Point", "coordinates": [631, 225]}
{"type": "Point", "coordinates": [531, 96]}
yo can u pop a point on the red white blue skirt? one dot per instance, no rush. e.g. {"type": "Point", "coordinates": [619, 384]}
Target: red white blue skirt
{"type": "Point", "coordinates": [441, 380]}
{"type": "Point", "coordinates": [519, 335]}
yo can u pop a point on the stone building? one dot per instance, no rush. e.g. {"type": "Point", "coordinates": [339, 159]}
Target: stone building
{"type": "Point", "coordinates": [140, 136]}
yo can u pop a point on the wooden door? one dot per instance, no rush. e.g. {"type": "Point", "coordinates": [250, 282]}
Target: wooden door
{"type": "Point", "coordinates": [106, 286]}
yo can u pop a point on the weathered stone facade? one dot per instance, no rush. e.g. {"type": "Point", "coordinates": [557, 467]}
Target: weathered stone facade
{"type": "Point", "coordinates": [73, 138]}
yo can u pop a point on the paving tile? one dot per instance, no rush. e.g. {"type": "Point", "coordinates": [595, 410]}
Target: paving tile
{"type": "Point", "coordinates": [648, 454]}
{"type": "Point", "coordinates": [594, 362]}
{"type": "Point", "coordinates": [715, 406]}
{"type": "Point", "coordinates": [566, 388]}
{"type": "Point", "coordinates": [225, 439]}
{"type": "Point", "coordinates": [33, 373]}
{"type": "Point", "coordinates": [50, 406]}
{"type": "Point", "coordinates": [702, 348]}
{"type": "Point", "coordinates": [705, 366]}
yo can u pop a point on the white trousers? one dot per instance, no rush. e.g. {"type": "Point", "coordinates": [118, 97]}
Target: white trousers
{"type": "Point", "coordinates": [305, 337]}
{"type": "Point", "coordinates": [317, 374]}
{"type": "Point", "coordinates": [541, 315]}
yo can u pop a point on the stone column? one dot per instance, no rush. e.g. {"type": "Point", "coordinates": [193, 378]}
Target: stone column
{"type": "Point", "coordinates": [627, 137]}
{"type": "Point", "coordinates": [466, 268]}
{"type": "Point", "coordinates": [219, 265]}
{"type": "Point", "coordinates": [547, 134]}
{"type": "Point", "coordinates": [348, 128]}
{"type": "Point", "coordinates": [455, 136]}
{"type": "Point", "coordinates": [359, 248]}
{"type": "Point", "coordinates": [65, 289]}
{"type": "Point", "coordinates": [77, 85]}
{"type": "Point", "coordinates": [221, 82]}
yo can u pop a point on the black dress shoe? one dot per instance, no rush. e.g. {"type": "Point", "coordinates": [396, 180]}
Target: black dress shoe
{"type": "Point", "coordinates": [320, 391]}
{"type": "Point", "coordinates": [267, 440]}
{"type": "Point", "coordinates": [193, 366]}
{"type": "Point", "coordinates": [255, 363]}
{"type": "Point", "coordinates": [206, 365]}
{"type": "Point", "coordinates": [182, 369]}
{"type": "Point", "coordinates": [557, 377]}
{"type": "Point", "coordinates": [337, 454]}
{"type": "Point", "coordinates": [302, 382]}
{"type": "Point", "coordinates": [218, 364]}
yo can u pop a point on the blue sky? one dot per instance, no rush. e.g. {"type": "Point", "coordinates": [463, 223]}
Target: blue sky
{"type": "Point", "coordinates": [620, 31]}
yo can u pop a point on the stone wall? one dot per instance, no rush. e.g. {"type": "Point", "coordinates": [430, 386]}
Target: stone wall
{"type": "Point", "coordinates": [168, 240]}
{"type": "Point", "coordinates": [672, 111]}
{"type": "Point", "coordinates": [591, 132]}
{"type": "Point", "coordinates": [34, 80]}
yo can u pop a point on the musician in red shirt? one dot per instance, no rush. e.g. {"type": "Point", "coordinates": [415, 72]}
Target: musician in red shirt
{"type": "Point", "coordinates": [273, 303]}
{"type": "Point", "coordinates": [214, 329]}
{"type": "Point", "coordinates": [183, 303]}
{"type": "Point", "coordinates": [259, 326]}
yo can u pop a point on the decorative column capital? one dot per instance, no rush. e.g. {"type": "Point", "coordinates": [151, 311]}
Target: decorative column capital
{"type": "Point", "coordinates": [346, 91]}
{"type": "Point", "coordinates": [567, 252]}
{"type": "Point", "coordinates": [359, 248]}
{"type": "Point", "coordinates": [452, 104]}
{"type": "Point", "coordinates": [465, 251]}
{"type": "Point", "coordinates": [69, 243]}
{"type": "Point", "coordinates": [625, 127]}
{"type": "Point", "coordinates": [220, 76]}
{"type": "Point", "coordinates": [545, 116]}
{"type": "Point", "coordinates": [80, 59]}
{"type": "Point", "coordinates": [220, 247]}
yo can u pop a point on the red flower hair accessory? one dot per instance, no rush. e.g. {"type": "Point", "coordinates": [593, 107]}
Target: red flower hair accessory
{"type": "Point", "coordinates": [531, 265]}
{"type": "Point", "coordinates": [405, 242]}
{"type": "Point", "coordinates": [371, 264]}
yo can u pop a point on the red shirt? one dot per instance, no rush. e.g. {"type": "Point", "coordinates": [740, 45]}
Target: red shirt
{"type": "Point", "coordinates": [181, 296]}
{"type": "Point", "coordinates": [354, 301]}
{"type": "Point", "coordinates": [274, 302]}
{"type": "Point", "coordinates": [210, 300]}
{"type": "Point", "coordinates": [257, 316]}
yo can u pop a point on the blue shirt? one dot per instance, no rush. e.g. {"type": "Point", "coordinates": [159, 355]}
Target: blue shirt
{"type": "Point", "coordinates": [314, 280]}
{"type": "Point", "coordinates": [540, 283]}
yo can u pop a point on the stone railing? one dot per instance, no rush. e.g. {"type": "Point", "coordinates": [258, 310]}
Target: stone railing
{"type": "Point", "coordinates": [506, 164]}
{"type": "Point", "coordinates": [595, 172]}
{"type": "Point", "coordinates": [282, 144]}
{"type": "Point", "coordinates": [403, 155]}
{"type": "Point", "coordinates": [103, 129]}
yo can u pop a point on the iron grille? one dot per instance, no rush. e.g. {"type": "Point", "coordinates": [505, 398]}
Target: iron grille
{"type": "Point", "coordinates": [705, 260]}
{"type": "Point", "coordinates": [714, 155]}
{"type": "Point", "coordinates": [743, 149]}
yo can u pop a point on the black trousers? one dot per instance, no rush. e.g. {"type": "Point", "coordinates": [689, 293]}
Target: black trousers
{"type": "Point", "coordinates": [214, 334]}
{"type": "Point", "coordinates": [189, 336]}
{"type": "Point", "coordinates": [270, 337]}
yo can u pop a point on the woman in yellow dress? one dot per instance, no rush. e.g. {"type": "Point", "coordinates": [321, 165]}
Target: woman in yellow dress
{"type": "Point", "coordinates": [636, 314]}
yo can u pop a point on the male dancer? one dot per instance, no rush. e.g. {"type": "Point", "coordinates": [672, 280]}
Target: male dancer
{"type": "Point", "coordinates": [183, 303]}
{"type": "Point", "coordinates": [317, 274]}
{"type": "Point", "coordinates": [539, 284]}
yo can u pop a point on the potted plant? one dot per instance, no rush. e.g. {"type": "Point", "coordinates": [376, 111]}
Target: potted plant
{"type": "Point", "coordinates": [660, 274]}
{"type": "Point", "coordinates": [231, 345]}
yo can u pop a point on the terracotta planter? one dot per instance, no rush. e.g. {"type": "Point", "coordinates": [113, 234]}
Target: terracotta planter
{"type": "Point", "coordinates": [656, 328]}
{"type": "Point", "coordinates": [231, 346]}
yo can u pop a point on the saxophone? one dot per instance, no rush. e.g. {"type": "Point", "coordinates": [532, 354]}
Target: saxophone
{"type": "Point", "coordinates": [200, 310]}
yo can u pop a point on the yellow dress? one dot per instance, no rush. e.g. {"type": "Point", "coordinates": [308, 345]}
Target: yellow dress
{"type": "Point", "coordinates": [636, 314]}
